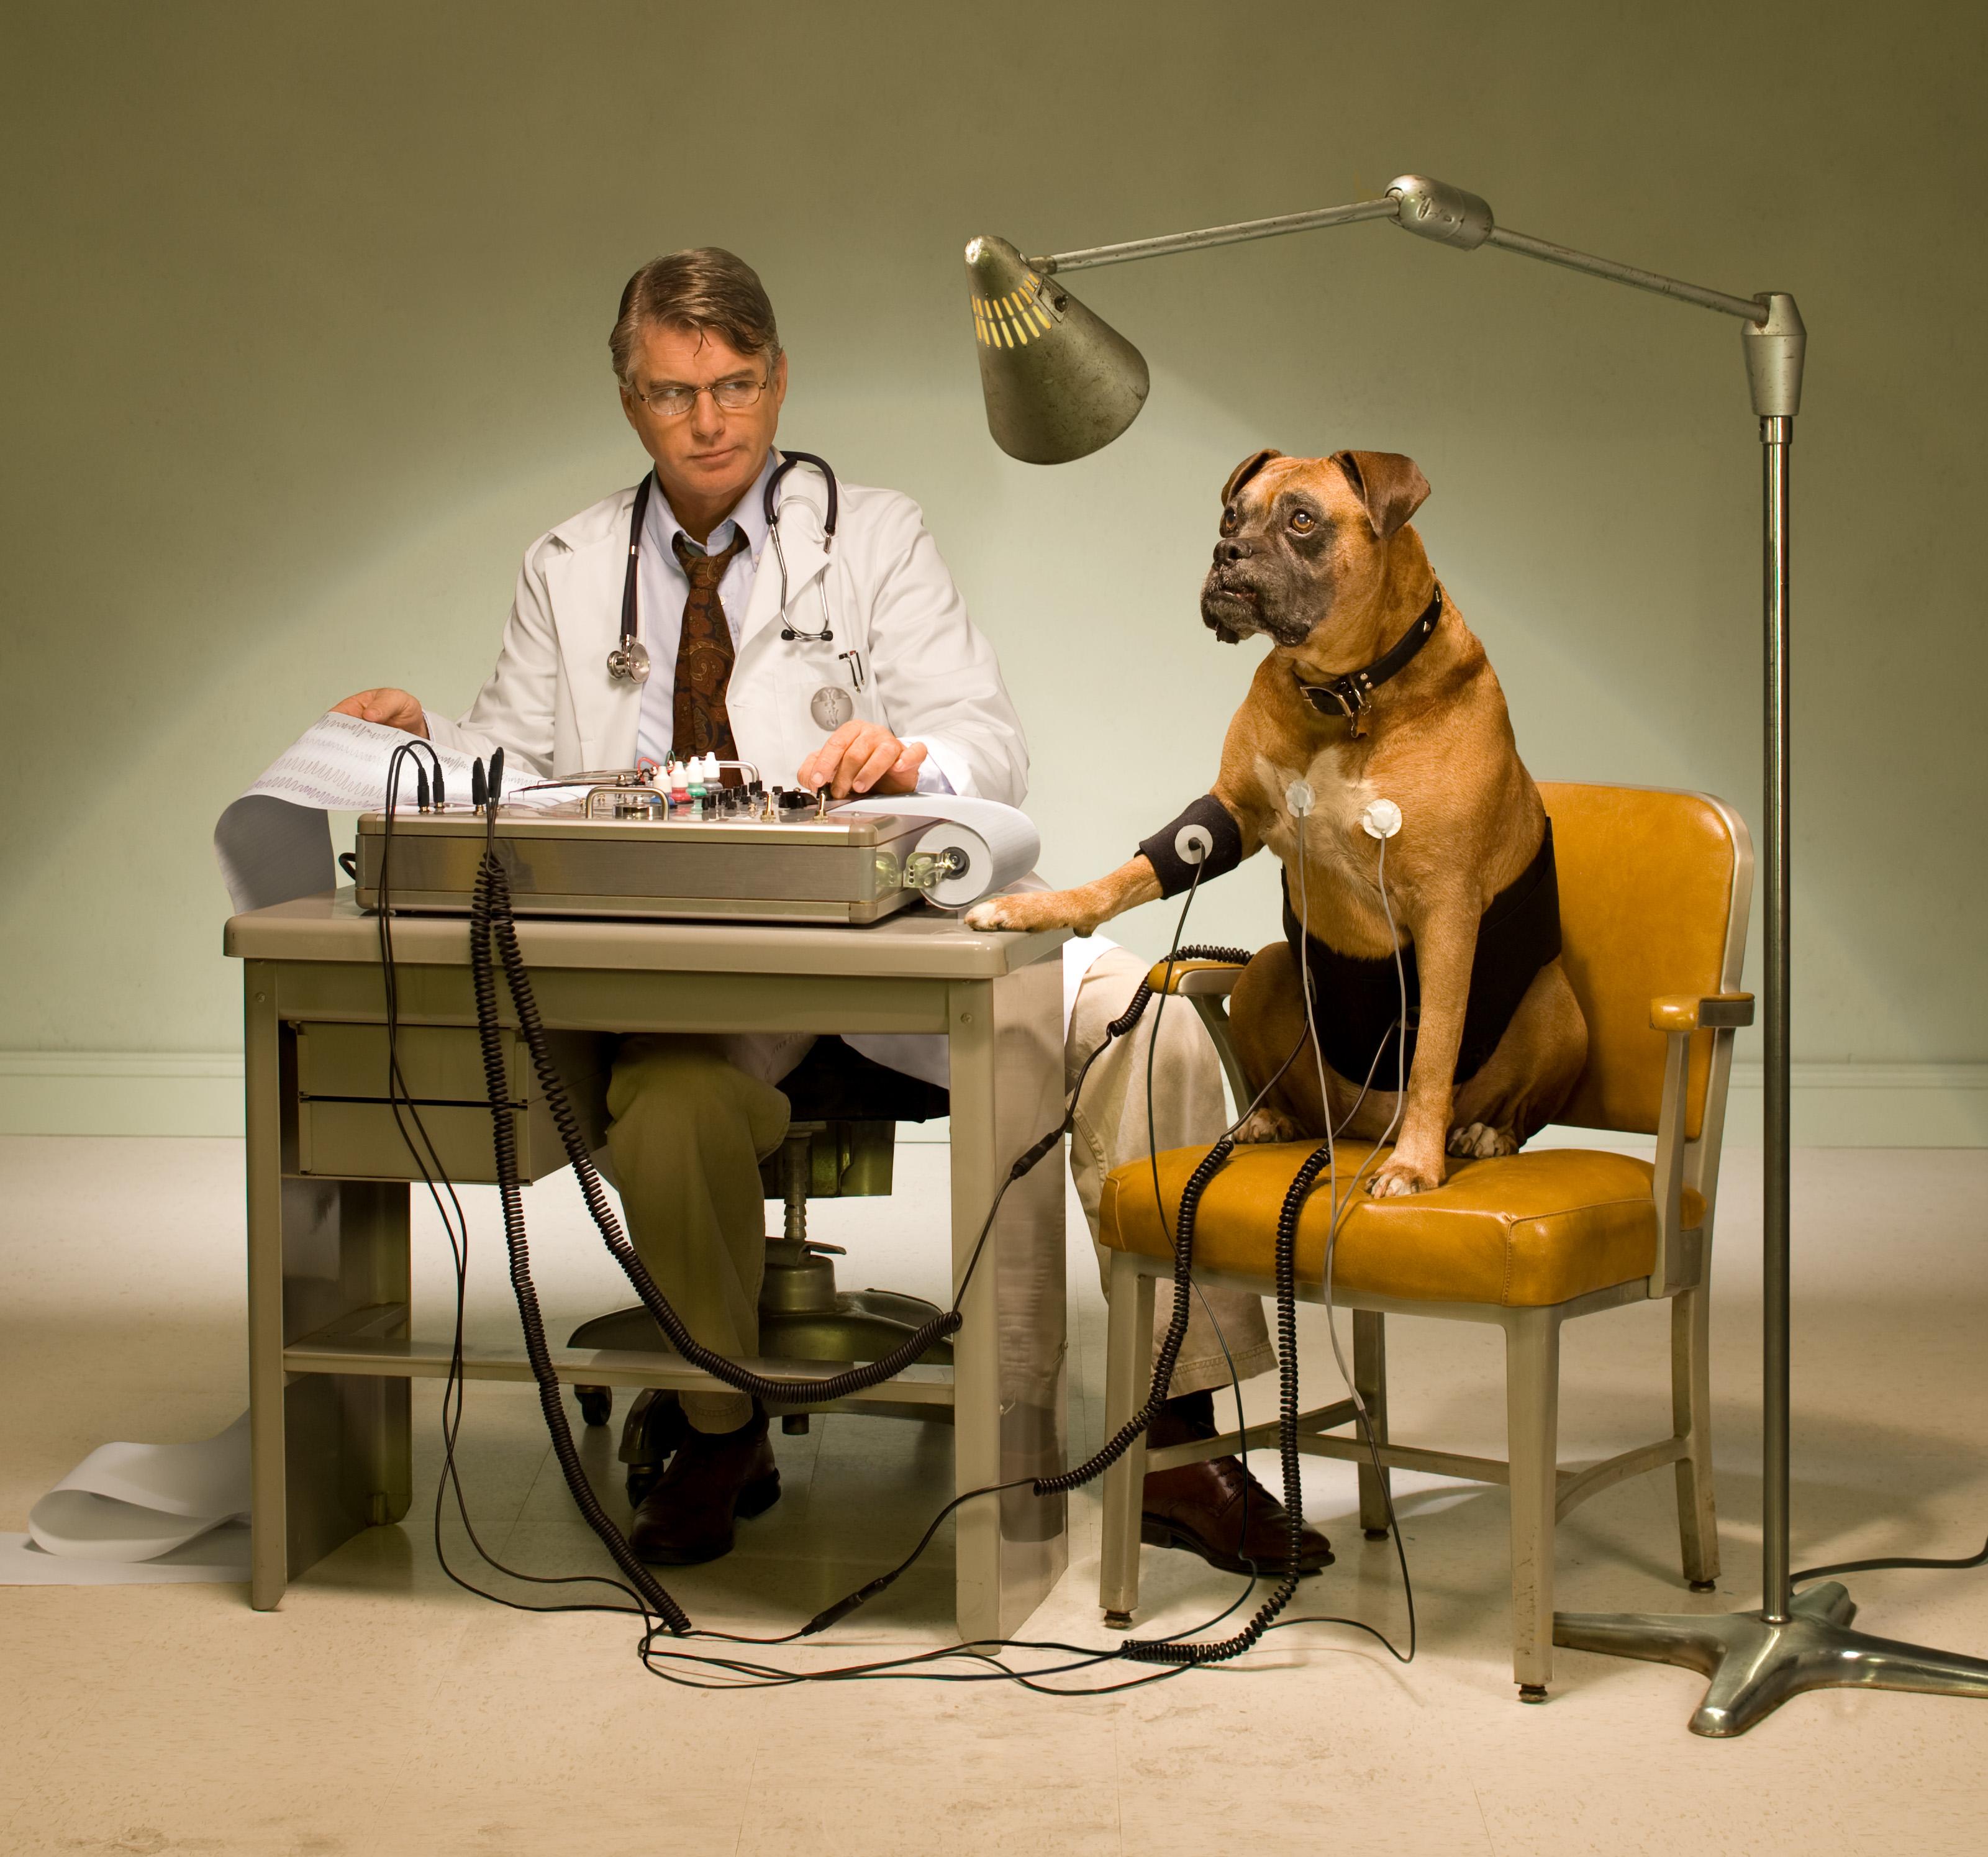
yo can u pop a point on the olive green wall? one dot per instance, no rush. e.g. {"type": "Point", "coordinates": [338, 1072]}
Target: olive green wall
{"type": "Point", "coordinates": [304, 314]}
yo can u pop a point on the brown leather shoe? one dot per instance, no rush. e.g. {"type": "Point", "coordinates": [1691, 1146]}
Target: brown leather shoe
{"type": "Point", "coordinates": [653, 1428]}
{"type": "Point", "coordinates": [1216, 1509]}
{"type": "Point", "coordinates": [1219, 1511]}
{"type": "Point", "coordinates": [714, 1478]}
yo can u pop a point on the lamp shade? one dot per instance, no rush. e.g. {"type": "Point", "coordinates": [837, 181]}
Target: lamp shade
{"type": "Point", "coordinates": [1059, 382]}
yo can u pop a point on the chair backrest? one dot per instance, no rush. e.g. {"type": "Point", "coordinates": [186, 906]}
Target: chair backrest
{"type": "Point", "coordinates": [1655, 886]}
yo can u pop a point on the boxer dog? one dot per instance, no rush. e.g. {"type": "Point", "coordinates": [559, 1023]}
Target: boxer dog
{"type": "Point", "coordinates": [1374, 690]}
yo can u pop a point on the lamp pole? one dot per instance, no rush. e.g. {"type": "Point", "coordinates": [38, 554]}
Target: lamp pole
{"type": "Point", "coordinates": [1777, 1594]}
{"type": "Point", "coordinates": [1047, 412]}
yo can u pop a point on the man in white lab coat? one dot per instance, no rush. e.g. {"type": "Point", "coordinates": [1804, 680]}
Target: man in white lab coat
{"type": "Point", "coordinates": [841, 656]}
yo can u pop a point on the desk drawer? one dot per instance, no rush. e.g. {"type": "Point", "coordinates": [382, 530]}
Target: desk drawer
{"type": "Point", "coordinates": [345, 1128]}
{"type": "Point", "coordinates": [439, 1064]}
{"type": "Point", "coordinates": [355, 1141]}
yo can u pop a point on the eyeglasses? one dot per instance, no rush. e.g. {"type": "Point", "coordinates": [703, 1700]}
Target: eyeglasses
{"type": "Point", "coordinates": [728, 396]}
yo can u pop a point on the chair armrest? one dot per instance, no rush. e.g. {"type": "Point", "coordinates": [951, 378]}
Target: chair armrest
{"type": "Point", "coordinates": [1679, 1015]}
{"type": "Point", "coordinates": [1696, 1013]}
{"type": "Point", "coordinates": [1206, 978]}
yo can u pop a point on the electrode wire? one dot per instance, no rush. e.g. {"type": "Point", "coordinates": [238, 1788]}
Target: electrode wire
{"type": "Point", "coordinates": [1115, 1029]}
{"type": "Point", "coordinates": [1159, 1202]}
{"type": "Point", "coordinates": [457, 1230]}
{"type": "Point", "coordinates": [491, 923]}
{"type": "Point", "coordinates": [1170, 1652]}
{"type": "Point", "coordinates": [496, 881]}
{"type": "Point", "coordinates": [1335, 1212]}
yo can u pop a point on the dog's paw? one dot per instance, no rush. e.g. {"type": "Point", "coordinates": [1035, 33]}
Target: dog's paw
{"type": "Point", "coordinates": [1268, 1125]}
{"type": "Point", "coordinates": [1032, 910]}
{"type": "Point", "coordinates": [1480, 1141]}
{"type": "Point", "coordinates": [1028, 910]}
{"type": "Point", "coordinates": [1401, 1176]}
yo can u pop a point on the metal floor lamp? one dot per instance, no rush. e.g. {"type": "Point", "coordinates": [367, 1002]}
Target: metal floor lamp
{"type": "Point", "coordinates": [1059, 382]}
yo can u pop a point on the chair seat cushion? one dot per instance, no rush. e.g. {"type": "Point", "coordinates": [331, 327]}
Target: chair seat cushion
{"type": "Point", "coordinates": [1523, 1230]}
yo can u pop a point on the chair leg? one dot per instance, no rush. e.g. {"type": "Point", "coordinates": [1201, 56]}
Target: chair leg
{"type": "Point", "coordinates": [1370, 1381]}
{"type": "Point", "coordinates": [1128, 1373]}
{"type": "Point", "coordinates": [1691, 1418]}
{"type": "Point", "coordinates": [1532, 1419]}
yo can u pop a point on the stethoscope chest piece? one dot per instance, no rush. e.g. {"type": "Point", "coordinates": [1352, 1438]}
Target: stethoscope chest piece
{"type": "Point", "coordinates": [628, 662]}
{"type": "Point", "coordinates": [831, 706]}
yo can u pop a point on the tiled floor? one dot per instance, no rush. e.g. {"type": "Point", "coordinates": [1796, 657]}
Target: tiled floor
{"type": "Point", "coordinates": [383, 1710]}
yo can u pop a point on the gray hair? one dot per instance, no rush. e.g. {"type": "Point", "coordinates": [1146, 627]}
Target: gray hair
{"type": "Point", "coordinates": [707, 289]}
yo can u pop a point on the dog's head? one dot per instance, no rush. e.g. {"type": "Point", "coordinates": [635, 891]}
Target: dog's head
{"type": "Point", "coordinates": [1299, 535]}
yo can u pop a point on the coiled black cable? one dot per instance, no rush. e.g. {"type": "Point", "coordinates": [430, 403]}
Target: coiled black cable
{"type": "Point", "coordinates": [1168, 1352]}
{"type": "Point", "coordinates": [494, 887]}
{"type": "Point", "coordinates": [1151, 1650]}
{"type": "Point", "coordinates": [491, 896]}
{"type": "Point", "coordinates": [492, 926]}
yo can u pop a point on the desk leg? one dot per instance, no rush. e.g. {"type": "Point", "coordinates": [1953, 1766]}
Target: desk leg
{"type": "Point", "coordinates": [330, 1454]}
{"type": "Point", "coordinates": [1010, 1358]}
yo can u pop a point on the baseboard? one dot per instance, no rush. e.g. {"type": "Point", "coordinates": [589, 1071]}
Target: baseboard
{"type": "Point", "coordinates": [120, 1093]}
{"type": "Point", "coordinates": [199, 1093]}
{"type": "Point", "coordinates": [1870, 1106]}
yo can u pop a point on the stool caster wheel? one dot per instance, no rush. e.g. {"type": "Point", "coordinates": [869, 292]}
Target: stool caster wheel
{"type": "Point", "coordinates": [1704, 1585]}
{"type": "Point", "coordinates": [794, 1425]}
{"type": "Point", "coordinates": [1117, 1621]}
{"type": "Point", "coordinates": [642, 1478]}
{"type": "Point", "coordinates": [1532, 1692]}
{"type": "Point", "coordinates": [1374, 1534]}
{"type": "Point", "coordinates": [596, 1403]}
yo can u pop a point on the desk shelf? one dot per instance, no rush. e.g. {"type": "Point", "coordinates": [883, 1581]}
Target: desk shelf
{"type": "Point", "coordinates": [365, 1343]}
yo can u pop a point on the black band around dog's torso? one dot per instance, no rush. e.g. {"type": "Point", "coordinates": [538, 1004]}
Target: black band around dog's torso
{"type": "Point", "coordinates": [1357, 1002]}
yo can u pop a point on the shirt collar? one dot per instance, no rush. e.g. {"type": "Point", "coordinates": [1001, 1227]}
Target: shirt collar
{"type": "Point", "coordinates": [749, 515]}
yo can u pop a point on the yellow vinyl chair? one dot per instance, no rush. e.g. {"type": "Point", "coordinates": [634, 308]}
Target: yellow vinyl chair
{"type": "Point", "coordinates": [1654, 886]}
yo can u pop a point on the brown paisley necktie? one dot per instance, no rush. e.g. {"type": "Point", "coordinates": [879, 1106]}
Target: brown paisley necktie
{"type": "Point", "coordinates": [704, 653]}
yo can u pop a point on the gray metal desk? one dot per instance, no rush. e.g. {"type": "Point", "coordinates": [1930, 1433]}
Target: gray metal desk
{"type": "Point", "coordinates": [333, 1347]}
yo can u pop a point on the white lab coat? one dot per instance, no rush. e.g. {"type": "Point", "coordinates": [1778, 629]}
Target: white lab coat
{"type": "Point", "coordinates": [929, 675]}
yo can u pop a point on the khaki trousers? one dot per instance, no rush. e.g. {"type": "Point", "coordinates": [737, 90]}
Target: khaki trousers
{"type": "Point", "coordinates": [694, 1116]}
{"type": "Point", "coordinates": [1111, 1129]}
{"type": "Point", "coordinates": [692, 1122]}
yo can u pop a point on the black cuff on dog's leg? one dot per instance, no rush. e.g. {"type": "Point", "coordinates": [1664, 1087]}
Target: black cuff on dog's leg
{"type": "Point", "coordinates": [1204, 834]}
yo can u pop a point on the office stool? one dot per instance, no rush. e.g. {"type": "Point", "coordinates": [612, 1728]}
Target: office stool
{"type": "Point", "coordinates": [840, 1142]}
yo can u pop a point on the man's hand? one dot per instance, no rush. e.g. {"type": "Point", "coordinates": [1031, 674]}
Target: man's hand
{"type": "Point", "coordinates": [860, 758]}
{"type": "Point", "coordinates": [392, 709]}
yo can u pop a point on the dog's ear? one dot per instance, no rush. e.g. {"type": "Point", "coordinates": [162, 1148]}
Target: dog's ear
{"type": "Point", "coordinates": [1245, 471]}
{"type": "Point", "coordinates": [1390, 486]}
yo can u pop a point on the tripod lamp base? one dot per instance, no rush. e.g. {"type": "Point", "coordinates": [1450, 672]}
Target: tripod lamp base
{"type": "Point", "coordinates": [1755, 1666]}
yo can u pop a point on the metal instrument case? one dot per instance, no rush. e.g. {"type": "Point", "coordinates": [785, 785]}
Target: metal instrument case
{"type": "Point", "coordinates": [841, 868]}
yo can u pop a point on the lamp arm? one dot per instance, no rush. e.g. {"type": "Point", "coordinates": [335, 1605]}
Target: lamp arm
{"type": "Point", "coordinates": [1094, 256]}
{"type": "Point", "coordinates": [1436, 210]}
{"type": "Point", "coordinates": [1748, 309]}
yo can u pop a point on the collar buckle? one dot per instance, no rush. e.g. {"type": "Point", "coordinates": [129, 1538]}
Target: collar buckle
{"type": "Point", "coordinates": [1345, 698]}
{"type": "Point", "coordinates": [1351, 695]}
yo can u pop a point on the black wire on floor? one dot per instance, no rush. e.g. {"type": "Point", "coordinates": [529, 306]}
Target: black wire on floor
{"type": "Point", "coordinates": [492, 930]}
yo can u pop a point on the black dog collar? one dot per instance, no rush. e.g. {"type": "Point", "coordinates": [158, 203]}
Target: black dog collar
{"type": "Point", "coordinates": [1351, 695]}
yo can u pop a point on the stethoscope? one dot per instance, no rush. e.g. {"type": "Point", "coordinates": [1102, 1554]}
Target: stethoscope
{"type": "Point", "coordinates": [629, 661]}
